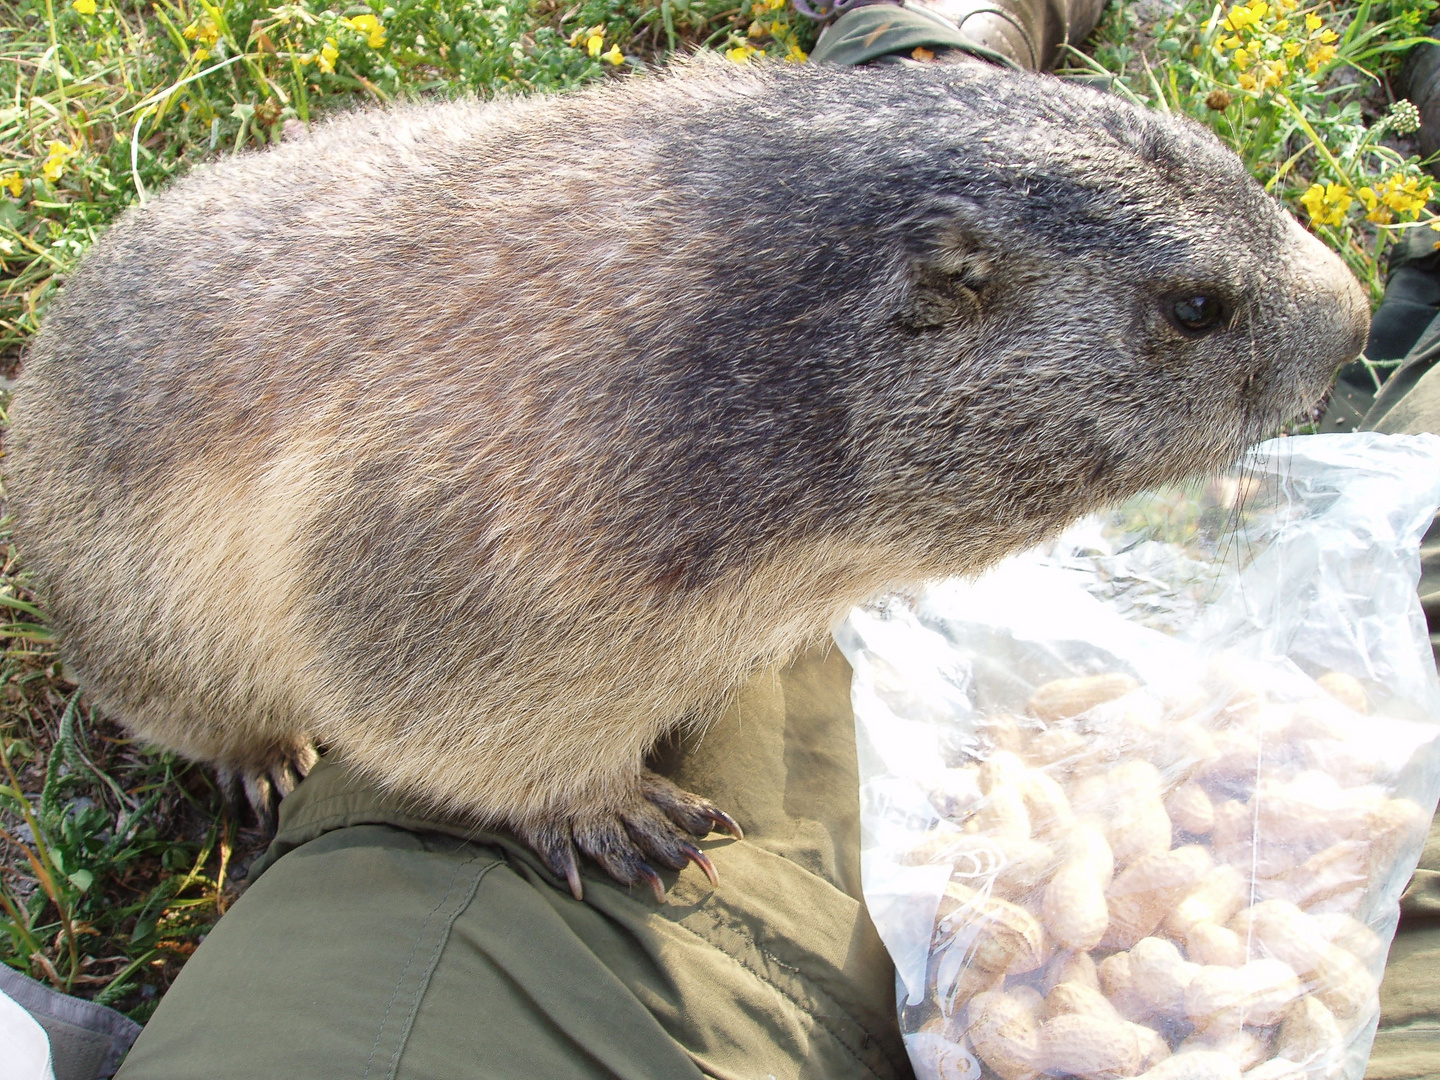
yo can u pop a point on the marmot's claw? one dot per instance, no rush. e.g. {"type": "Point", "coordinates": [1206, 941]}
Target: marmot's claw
{"type": "Point", "coordinates": [557, 851]}
{"type": "Point", "coordinates": [654, 829]}
{"type": "Point", "coordinates": [656, 885]}
{"type": "Point", "coordinates": [723, 822]}
{"type": "Point", "coordinates": [261, 787]}
{"type": "Point", "coordinates": [700, 859]}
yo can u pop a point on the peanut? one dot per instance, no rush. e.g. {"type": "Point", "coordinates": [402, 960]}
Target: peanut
{"type": "Point", "coordinates": [940, 845]}
{"type": "Point", "coordinates": [1345, 689]}
{"type": "Point", "coordinates": [1190, 809]}
{"type": "Point", "coordinates": [1216, 945]}
{"type": "Point", "coordinates": [1002, 769]}
{"type": "Point", "coordinates": [1310, 1034]}
{"type": "Point", "coordinates": [1350, 934]}
{"type": "Point", "coordinates": [1142, 895]}
{"type": "Point", "coordinates": [1241, 1045]}
{"type": "Point", "coordinates": [1118, 982]}
{"type": "Point", "coordinates": [1339, 869]}
{"type": "Point", "coordinates": [1072, 967]}
{"type": "Point", "coordinates": [1031, 999]}
{"type": "Point", "coordinates": [1256, 993]}
{"type": "Point", "coordinates": [1058, 745]}
{"type": "Point", "coordinates": [1237, 753]}
{"type": "Point", "coordinates": [1006, 732]}
{"type": "Point", "coordinates": [1392, 826]}
{"type": "Point", "coordinates": [1004, 1036]}
{"type": "Point", "coordinates": [1078, 824]}
{"type": "Point", "coordinates": [1002, 815]}
{"type": "Point", "coordinates": [1195, 1065]}
{"type": "Point", "coordinates": [1074, 908]}
{"type": "Point", "coordinates": [999, 936]}
{"type": "Point", "coordinates": [1184, 750]}
{"type": "Point", "coordinates": [1214, 899]}
{"type": "Point", "coordinates": [947, 1057]}
{"type": "Point", "coordinates": [1138, 828]}
{"type": "Point", "coordinates": [1051, 817]}
{"type": "Point", "coordinates": [1234, 824]}
{"type": "Point", "coordinates": [1025, 866]}
{"type": "Point", "coordinates": [1062, 699]}
{"type": "Point", "coordinates": [1159, 976]}
{"type": "Point", "coordinates": [1084, 1046]}
{"type": "Point", "coordinates": [1081, 1000]}
{"type": "Point", "coordinates": [1153, 1047]}
{"type": "Point", "coordinates": [1278, 1068]}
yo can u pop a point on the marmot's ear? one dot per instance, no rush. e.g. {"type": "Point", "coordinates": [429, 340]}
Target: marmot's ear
{"type": "Point", "coordinates": [948, 282]}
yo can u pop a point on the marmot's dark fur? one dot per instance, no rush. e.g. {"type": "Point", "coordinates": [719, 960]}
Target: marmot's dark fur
{"type": "Point", "coordinates": [485, 443]}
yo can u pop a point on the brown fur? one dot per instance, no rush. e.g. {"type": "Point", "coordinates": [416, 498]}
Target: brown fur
{"type": "Point", "coordinates": [485, 444]}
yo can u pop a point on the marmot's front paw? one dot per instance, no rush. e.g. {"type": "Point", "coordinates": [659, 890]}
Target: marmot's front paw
{"type": "Point", "coordinates": [654, 826]}
{"type": "Point", "coordinates": [263, 786]}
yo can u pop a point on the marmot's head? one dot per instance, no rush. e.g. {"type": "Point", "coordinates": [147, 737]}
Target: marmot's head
{"type": "Point", "coordinates": [1042, 296]}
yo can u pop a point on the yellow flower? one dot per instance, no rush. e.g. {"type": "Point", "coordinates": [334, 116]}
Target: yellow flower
{"type": "Point", "coordinates": [370, 26]}
{"type": "Point", "coordinates": [758, 29]}
{"type": "Point", "coordinates": [1242, 59]}
{"type": "Point", "coordinates": [1405, 195]}
{"type": "Point", "coordinates": [58, 155]}
{"type": "Point", "coordinates": [594, 43]}
{"type": "Point", "coordinates": [1239, 18]}
{"type": "Point", "coordinates": [796, 55]}
{"type": "Point", "coordinates": [1313, 21]}
{"type": "Point", "coordinates": [1368, 197]}
{"type": "Point", "coordinates": [1292, 49]}
{"type": "Point", "coordinates": [1327, 36]}
{"type": "Point", "coordinates": [1327, 204]}
{"type": "Point", "coordinates": [327, 56]}
{"type": "Point", "coordinates": [84, 7]}
{"type": "Point", "coordinates": [741, 54]}
{"type": "Point", "coordinates": [614, 56]}
{"type": "Point", "coordinates": [1232, 42]}
{"type": "Point", "coordinates": [201, 55]}
{"type": "Point", "coordinates": [1247, 82]}
{"type": "Point", "coordinates": [1320, 57]}
{"type": "Point", "coordinates": [1282, 26]}
{"type": "Point", "coordinates": [15, 182]}
{"type": "Point", "coordinates": [1272, 73]}
{"type": "Point", "coordinates": [203, 30]}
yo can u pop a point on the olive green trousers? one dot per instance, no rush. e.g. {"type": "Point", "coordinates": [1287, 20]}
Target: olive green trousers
{"type": "Point", "coordinates": [374, 943]}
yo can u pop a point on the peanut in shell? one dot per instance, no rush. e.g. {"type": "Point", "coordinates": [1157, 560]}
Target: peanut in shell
{"type": "Point", "coordinates": [1004, 1036]}
{"type": "Point", "coordinates": [1089, 1048]}
{"type": "Point", "coordinates": [1062, 699]}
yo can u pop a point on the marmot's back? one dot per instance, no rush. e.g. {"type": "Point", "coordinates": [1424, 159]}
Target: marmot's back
{"type": "Point", "coordinates": [381, 437]}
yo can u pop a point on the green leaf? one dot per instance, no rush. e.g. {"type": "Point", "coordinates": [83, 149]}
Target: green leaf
{"type": "Point", "coordinates": [82, 879]}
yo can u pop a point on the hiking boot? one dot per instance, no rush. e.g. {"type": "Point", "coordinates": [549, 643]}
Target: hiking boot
{"type": "Point", "coordinates": [1025, 34]}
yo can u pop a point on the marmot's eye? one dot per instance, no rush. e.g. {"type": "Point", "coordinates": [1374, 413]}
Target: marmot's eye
{"type": "Point", "coordinates": [1196, 314]}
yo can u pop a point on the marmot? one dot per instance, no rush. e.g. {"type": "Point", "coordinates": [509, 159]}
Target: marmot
{"type": "Point", "coordinates": [486, 443]}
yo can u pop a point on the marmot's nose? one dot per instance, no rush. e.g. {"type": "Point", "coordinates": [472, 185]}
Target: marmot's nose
{"type": "Point", "coordinates": [1335, 300]}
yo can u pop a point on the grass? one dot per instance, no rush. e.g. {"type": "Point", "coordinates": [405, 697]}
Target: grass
{"type": "Point", "coordinates": [114, 861]}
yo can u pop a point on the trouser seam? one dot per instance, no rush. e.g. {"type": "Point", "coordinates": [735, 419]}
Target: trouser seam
{"type": "Point", "coordinates": [442, 918]}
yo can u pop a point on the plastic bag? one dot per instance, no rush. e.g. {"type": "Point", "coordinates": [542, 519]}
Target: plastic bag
{"type": "Point", "coordinates": [1143, 802]}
